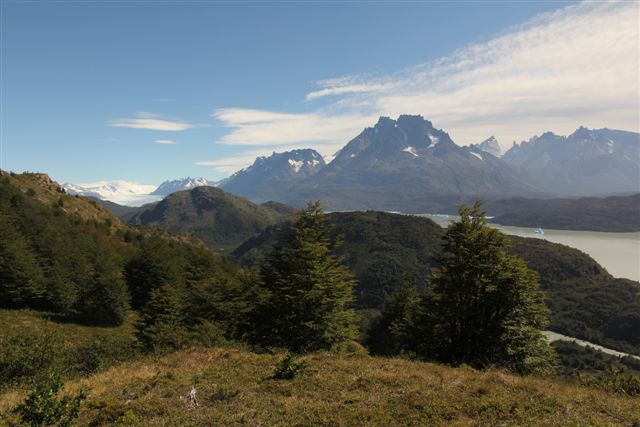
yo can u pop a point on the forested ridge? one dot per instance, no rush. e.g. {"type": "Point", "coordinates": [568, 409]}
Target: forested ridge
{"type": "Point", "coordinates": [388, 251]}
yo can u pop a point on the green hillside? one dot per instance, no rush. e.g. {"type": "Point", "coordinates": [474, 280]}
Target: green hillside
{"type": "Point", "coordinates": [616, 213]}
{"type": "Point", "coordinates": [387, 251]}
{"type": "Point", "coordinates": [221, 220]}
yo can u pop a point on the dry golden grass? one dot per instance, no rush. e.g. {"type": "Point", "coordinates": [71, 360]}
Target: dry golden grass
{"type": "Point", "coordinates": [233, 389]}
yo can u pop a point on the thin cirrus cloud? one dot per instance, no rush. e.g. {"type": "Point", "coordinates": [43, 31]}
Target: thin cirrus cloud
{"type": "Point", "coordinates": [165, 141]}
{"type": "Point", "coordinates": [258, 127]}
{"type": "Point", "coordinates": [575, 66]}
{"type": "Point", "coordinates": [231, 164]}
{"type": "Point", "coordinates": [151, 121]}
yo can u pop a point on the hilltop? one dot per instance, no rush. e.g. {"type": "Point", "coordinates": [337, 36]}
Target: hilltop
{"type": "Point", "coordinates": [233, 388]}
{"type": "Point", "coordinates": [221, 220]}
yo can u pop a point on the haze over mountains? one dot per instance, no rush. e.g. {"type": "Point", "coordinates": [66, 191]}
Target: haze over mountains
{"type": "Point", "coordinates": [587, 162]}
{"type": "Point", "coordinates": [411, 166]}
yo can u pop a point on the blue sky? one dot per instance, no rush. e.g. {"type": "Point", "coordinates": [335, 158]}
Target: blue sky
{"type": "Point", "coordinates": [148, 91]}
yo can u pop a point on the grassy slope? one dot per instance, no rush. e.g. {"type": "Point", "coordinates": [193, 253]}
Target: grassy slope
{"type": "Point", "coordinates": [233, 389]}
{"type": "Point", "coordinates": [49, 193]}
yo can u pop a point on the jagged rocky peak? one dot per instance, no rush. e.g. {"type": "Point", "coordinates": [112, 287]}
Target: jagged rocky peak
{"type": "Point", "coordinates": [268, 175]}
{"type": "Point", "coordinates": [300, 161]}
{"type": "Point", "coordinates": [407, 131]}
{"type": "Point", "coordinates": [489, 145]}
{"type": "Point", "coordinates": [582, 133]}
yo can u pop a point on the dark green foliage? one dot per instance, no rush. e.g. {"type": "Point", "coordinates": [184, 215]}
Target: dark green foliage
{"type": "Point", "coordinates": [585, 301]}
{"type": "Point", "coordinates": [43, 407]}
{"type": "Point", "coordinates": [614, 380]}
{"type": "Point", "coordinates": [308, 290]}
{"type": "Point", "coordinates": [485, 307]}
{"type": "Point", "coordinates": [21, 279]}
{"type": "Point", "coordinates": [29, 353]}
{"type": "Point", "coordinates": [384, 251]}
{"type": "Point", "coordinates": [616, 213]}
{"type": "Point", "coordinates": [391, 332]}
{"type": "Point", "coordinates": [104, 301]}
{"type": "Point", "coordinates": [164, 320]}
{"type": "Point", "coordinates": [25, 358]}
{"type": "Point", "coordinates": [187, 295]}
{"type": "Point", "coordinates": [221, 220]}
{"type": "Point", "coordinates": [56, 261]}
{"type": "Point", "coordinates": [288, 368]}
{"type": "Point", "coordinates": [575, 359]}
{"type": "Point", "coordinates": [155, 265]}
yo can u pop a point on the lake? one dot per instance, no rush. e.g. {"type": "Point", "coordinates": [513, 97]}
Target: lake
{"type": "Point", "coordinates": [619, 253]}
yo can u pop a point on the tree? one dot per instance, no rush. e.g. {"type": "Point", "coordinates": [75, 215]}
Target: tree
{"type": "Point", "coordinates": [308, 290]}
{"type": "Point", "coordinates": [485, 307]}
{"type": "Point", "coordinates": [154, 266]}
{"type": "Point", "coordinates": [392, 331]}
{"type": "Point", "coordinates": [163, 323]}
{"type": "Point", "coordinates": [104, 300]}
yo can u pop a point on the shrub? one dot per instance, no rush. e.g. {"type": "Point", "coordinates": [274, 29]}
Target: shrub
{"type": "Point", "coordinates": [288, 368]}
{"type": "Point", "coordinates": [42, 407]}
{"type": "Point", "coordinates": [25, 358]}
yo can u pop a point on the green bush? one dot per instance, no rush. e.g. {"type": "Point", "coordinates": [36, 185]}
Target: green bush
{"type": "Point", "coordinates": [25, 358]}
{"type": "Point", "coordinates": [43, 408]}
{"type": "Point", "coordinates": [288, 368]}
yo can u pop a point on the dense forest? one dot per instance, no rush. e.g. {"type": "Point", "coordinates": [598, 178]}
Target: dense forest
{"type": "Point", "coordinates": [615, 213]}
{"type": "Point", "coordinates": [387, 252]}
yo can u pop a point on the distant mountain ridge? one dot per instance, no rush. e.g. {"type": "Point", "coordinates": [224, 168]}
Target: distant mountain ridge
{"type": "Point", "coordinates": [269, 177]}
{"type": "Point", "coordinates": [405, 164]}
{"type": "Point", "coordinates": [490, 145]}
{"type": "Point", "coordinates": [127, 193]}
{"type": "Point", "coordinates": [587, 162]}
{"type": "Point", "coordinates": [409, 165]}
{"type": "Point", "coordinates": [169, 187]}
{"type": "Point", "coordinates": [118, 191]}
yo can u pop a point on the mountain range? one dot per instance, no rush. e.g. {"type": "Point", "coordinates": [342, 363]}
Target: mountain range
{"type": "Point", "coordinates": [405, 164]}
{"type": "Point", "coordinates": [411, 166]}
{"type": "Point", "coordinates": [131, 193]}
{"type": "Point", "coordinates": [268, 178]}
{"type": "Point", "coordinates": [587, 162]}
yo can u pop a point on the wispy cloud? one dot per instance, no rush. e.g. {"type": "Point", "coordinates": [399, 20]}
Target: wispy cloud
{"type": "Point", "coordinates": [258, 127]}
{"type": "Point", "coordinates": [151, 121]}
{"type": "Point", "coordinates": [165, 141]}
{"type": "Point", "coordinates": [576, 66]}
{"type": "Point", "coordinates": [350, 85]}
{"type": "Point", "coordinates": [234, 163]}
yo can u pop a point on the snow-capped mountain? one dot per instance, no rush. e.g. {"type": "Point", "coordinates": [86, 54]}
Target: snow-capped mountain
{"type": "Point", "coordinates": [117, 191]}
{"type": "Point", "coordinates": [404, 164]}
{"type": "Point", "coordinates": [408, 164]}
{"type": "Point", "coordinates": [169, 187]}
{"type": "Point", "coordinates": [269, 177]}
{"type": "Point", "coordinates": [489, 145]}
{"type": "Point", "coordinates": [587, 162]}
{"type": "Point", "coordinates": [131, 193]}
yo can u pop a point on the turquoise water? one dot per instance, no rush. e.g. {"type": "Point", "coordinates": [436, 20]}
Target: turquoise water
{"type": "Point", "coordinates": [619, 253]}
